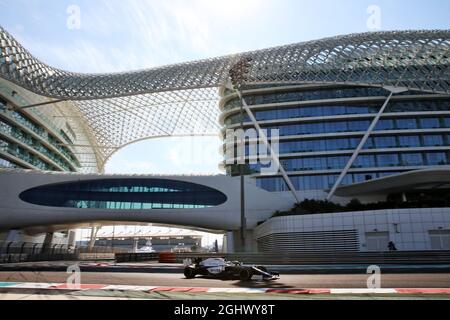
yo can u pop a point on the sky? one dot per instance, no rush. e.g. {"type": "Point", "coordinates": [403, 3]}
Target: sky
{"type": "Point", "coordinates": [116, 35]}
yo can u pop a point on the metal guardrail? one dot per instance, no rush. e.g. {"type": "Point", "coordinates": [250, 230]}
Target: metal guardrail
{"type": "Point", "coordinates": [26, 252]}
{"type": "Point", "coordinates": [322, 258]}
{"type": "Point", "coordinates": [136, 257]}
{"type": "Point", "coordinates": [31, 248]}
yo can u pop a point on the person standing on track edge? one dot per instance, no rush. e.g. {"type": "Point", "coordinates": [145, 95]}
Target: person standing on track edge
{"type": "Point", "coordinates": [392, 246]}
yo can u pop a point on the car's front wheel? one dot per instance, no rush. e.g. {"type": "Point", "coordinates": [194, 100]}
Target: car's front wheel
{"type": "Point", "coordinates": [189, 273]}
{"type": "Point", "coordinates": [245, 274]}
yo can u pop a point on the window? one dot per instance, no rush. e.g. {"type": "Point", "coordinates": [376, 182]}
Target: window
{"type": "Point", "coordinates": [3, 104]}
{"type": "Point", "coordinates": [447, 122]}
{"type": "Point", "coordinates": [367, 177]}
{"type": "Point", "coordinates": [429, 123]}
{"type": "Point", "coordinates": [422, 105]}
{"type": "Point", "coordinates": [412, 159]}
{"type": "Point", "coordinates": [364, 161]}
{"type": "Point", "coordinates": [385, 142]}
{"type": "Point", "coordinates": [311, 164]}
{"type": "Point", "coordinates": [409, 141]}
{"type": "Point", "coordinates": [387, 160]}
{"type": "Point", "coordinates": [436, 158]}
{"type": "Point", "coordinates": [433, 140]}
{"type": "Point", "coordinates": [406, 123]}
{"type": "Point", "coordinates": [359, 126]}
{"type": "Point", "coordinates": [316, 182]}
{"type": "Point", "coordinates": [124, 194]}
{"type": "Point", "coordinates": [337, 162]}
{"type": "Point", "coordinates": [5, 163]}
{"type": "Point", "coordinates": [385, 125]}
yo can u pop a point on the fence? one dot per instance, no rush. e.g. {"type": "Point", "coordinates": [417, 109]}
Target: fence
{"type": "Point", "coordinates": [26, 252]}
{"type": "Point", "coordinates": [322, 258]}
{"type": "Point", "coordinates": [136, 257]}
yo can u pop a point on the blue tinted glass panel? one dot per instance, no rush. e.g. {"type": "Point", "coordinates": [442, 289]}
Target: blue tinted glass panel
{"type": "Point", "coordinates": [429, 123]}
{"type": "Point", "coordinates": [385, 125]}
{"type": "Point", "coordinates": [318, 182]}
{"type": "Point", "coordinates": [433, 140]}
{"type": "Point", "coordinates": [406, 123]}
{"type": "Point", "coordinates": [385, 142]}
{"type": "Point", "coordinates": [409, 141]}
{"type": "Point", "coordinates": [364, 161]}
{"type": "Point", "coordinates": [436, 159]}
{"type": "Point", "coordinates": [124, 194]}
{"type": "Point", "coordinates": [412, 159]}
{"type": "Point", "coordinates": [387, 160]}
{"type": "Point", "coordinates": [447, 122]}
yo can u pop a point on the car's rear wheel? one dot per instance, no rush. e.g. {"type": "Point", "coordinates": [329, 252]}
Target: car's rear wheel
{"type": "Point", "coordinates": [245, 274]}
{"type": "Point", "coordinates": [189, 273]}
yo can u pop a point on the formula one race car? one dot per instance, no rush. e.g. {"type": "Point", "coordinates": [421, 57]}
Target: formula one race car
{"type": "Point", "coordinates": [221, 268]}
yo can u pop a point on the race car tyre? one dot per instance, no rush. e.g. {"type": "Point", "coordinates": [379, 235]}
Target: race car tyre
{"type": "Point", "coordinates": [189, 273]}
{"type": "Point", "coordinates": [245, 274]}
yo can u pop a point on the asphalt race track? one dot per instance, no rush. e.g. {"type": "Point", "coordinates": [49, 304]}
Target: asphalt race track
{"type": "Point", "coordinates": [429, 280]}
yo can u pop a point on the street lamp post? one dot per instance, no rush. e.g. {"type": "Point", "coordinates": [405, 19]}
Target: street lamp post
{"type": "Point", "coordinates": [238, 74]}
{"type": "Point", "coordinates": [241, 172]}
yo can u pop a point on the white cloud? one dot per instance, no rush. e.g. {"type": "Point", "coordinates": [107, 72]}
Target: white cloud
{"type": "Point", "coordinates": [127, 166]}
{"type": "Point", "coordinates": [127, 35]}
{"type": "Point", "coordinates": [200, 156]}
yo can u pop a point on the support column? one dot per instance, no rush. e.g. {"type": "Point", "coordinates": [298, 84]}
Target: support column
{"type": "Point", "coordinates": [94, 231]}
{"type": "Point", "coordinates": [72, 241]}
{"type": "Point", "coordinates": [363, 140]}
{"type": "Point", "coordinates": [47, 242]}
{"type": "Point", "coordinates": [238, 246]}
{"type": "Point", "coordinates": [135, 245]}
{"type": "Point", "coordinates": [229, 242]}
{"type": "Point", "coordinates": [12, 235]}
{"type": "Point", "coordinates": [404, 199]}
{"type": "Point", "coordinates": [275, 157]}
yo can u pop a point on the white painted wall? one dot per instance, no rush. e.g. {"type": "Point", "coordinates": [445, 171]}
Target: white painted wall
{"type": "Point", "coordinates": [408, 228]}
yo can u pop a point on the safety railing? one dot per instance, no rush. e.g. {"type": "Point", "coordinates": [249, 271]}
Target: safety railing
{"type": "Point", "coordinates": [323, 258]}
{"type": "Point", "coordinates": [27, 251]}
{"type": "Point", "coordinates": [136, 257]}
{"type": "Point", "coordinates": [307, 258]}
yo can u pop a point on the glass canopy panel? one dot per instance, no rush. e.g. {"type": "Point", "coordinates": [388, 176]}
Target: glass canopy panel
{"type": "Point", "coordinates": [125, 194]}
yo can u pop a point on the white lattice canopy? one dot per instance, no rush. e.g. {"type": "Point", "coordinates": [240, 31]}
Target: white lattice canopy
{"type": "Point", "coordinates": [182, 99]}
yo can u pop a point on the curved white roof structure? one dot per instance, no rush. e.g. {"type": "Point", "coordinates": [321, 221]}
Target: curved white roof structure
{"type": "Point", "coordinates": [430, 178]}
{"type": "Point", "coordinates": [182, 99]}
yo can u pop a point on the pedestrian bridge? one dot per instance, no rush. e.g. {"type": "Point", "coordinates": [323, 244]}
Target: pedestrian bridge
{"type": "Point", "coordinates": [58, 201]}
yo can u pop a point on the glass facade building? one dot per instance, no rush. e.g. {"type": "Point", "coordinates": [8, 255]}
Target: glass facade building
{"type": "Point", "coordinates": [321, 126]}
{"type": "Point", "coordinates": [31, 144]}
{"type": "Point", "coordinates": [125, 194]}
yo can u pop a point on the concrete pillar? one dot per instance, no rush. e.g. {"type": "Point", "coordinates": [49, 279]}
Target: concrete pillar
{"type": "Point", "coordinates": [94, 231]}
{"type": "Point", "coordinates": [135, 244]}
{"type": "Point", "coordinates": [250, 244]}
{"type": "Point", "coordinates": [228, 242]}
{"type": "Point", "coordinates": [48, 238]}
{"type": "Point", "coordinates": [13, 235]}
{"type": "Point", "coordinates": [47, 245]}
{"type": "Point", "coordinates": [72, 241]}
{"type": "Point", "coordinates": [404, 199]}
